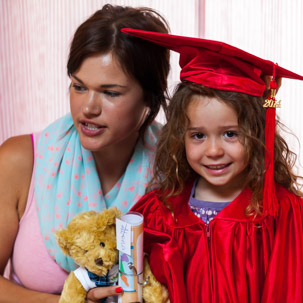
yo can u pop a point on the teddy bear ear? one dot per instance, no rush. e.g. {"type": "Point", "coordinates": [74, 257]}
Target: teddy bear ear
{"type": "Point", "coordinates": [114, 213]}
{"type": "Point", "coordinates": [117, 212]}
{"type": "Point", "coordinates": [108, 217]}
{"type": "Point", "coordinates": [61, 236]}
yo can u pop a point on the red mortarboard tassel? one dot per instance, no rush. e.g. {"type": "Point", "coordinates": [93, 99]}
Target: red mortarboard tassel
{"type": "Point", "coordinates": [270, 203]}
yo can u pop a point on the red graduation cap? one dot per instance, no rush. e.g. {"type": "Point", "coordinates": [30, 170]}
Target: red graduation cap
{"type": "Point", "coordinates": [216, 64]}
{"type": "Point", "coordinates": [222, 66]}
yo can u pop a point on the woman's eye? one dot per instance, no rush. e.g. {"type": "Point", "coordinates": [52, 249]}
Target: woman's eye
{"type": "Point", "coordinates": [78, 87]}
{"type": "Point", "coordinates": [111, 94]}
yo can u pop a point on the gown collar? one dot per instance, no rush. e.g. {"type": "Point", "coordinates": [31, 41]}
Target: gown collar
{"type": "Point", "coordinates": [235, 211]}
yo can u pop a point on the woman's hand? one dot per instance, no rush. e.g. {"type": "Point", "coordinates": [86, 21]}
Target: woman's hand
{"type": "Point", "coordinates": [95, 294]}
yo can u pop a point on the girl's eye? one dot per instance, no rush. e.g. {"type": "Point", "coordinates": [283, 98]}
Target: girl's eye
{"type": "Point", "coordinates": [198, 136]}
{"type": "Point", "coordinates": [78, 87]}
{"type": "Point", "coordinates": [230, 134]}
{"type": "Point", "coordinates": [111, 94]}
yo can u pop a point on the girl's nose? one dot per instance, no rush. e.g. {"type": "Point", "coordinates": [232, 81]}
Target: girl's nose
{"type": "Point", "coordinates": [92, 104]}
{"type": "Point", "coordinates": [214, 148]}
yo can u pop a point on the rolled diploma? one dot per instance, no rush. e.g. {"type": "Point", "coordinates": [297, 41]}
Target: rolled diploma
{"type": "Point", "coordinates": [130, 275]}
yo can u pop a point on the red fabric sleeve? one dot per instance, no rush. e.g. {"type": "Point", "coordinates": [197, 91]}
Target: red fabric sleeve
{"type": "Point", "coordinates": [164, 255]}
{"type": "Point", "coordinates": [284, 279]}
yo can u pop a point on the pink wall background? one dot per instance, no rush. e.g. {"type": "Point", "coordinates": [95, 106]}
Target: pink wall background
{"type": "Point", "coordinates": [34, 43]}
{"type": "Point", "coordinates": [35, 36]}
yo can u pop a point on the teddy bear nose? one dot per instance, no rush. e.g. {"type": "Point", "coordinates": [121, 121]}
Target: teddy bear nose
{"type": "Point", "coordinates": [99, 261]}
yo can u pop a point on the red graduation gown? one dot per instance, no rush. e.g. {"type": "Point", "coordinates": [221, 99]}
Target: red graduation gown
{"type": "Point", "coordinates": [234, 259]}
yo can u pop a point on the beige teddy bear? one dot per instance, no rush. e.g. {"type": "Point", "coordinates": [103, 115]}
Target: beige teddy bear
{"type": "Point", "coordinates": [90, 239]}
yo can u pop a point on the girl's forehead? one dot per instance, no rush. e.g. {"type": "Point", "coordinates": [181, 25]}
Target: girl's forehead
{"type": "Point", "coordinates": [200, 101]}
{"type": "Point", "coordinates": [204, 111]}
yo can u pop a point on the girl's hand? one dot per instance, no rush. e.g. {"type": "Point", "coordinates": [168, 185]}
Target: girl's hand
{"type": "Point", "coordinates": [95, 294]}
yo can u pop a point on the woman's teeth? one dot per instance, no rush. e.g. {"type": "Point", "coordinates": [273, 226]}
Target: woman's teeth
{"type": "Point", "coordinates": [91, 126]}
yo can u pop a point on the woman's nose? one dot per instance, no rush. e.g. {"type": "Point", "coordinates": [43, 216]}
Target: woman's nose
{"type": "Point", "coordinates": [92, 104]}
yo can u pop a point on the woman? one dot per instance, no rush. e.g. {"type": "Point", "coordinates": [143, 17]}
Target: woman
{"type": "Point", "coordinates": [96, 156]}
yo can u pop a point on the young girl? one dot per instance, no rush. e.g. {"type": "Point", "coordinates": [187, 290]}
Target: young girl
{"type": "Point", "coordinates": [225, 222]}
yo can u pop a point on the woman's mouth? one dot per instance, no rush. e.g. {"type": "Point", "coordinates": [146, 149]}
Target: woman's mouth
{"type": "Point", "coordinates": [91, 126]}
{"type": "Point", "coordinates": [90, 129]}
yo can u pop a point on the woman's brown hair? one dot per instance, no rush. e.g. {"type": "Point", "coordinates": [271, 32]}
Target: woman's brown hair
{"type": "Point", "coordinates": [145, 62]}
{"type": "Point", "coordinates": [171, 169]}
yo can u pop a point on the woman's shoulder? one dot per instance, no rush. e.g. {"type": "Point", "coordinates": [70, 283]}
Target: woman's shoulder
{"type": "Point", "coordinates": [17, 152]}
{"type": "Point", "coordinates": [16, 162]}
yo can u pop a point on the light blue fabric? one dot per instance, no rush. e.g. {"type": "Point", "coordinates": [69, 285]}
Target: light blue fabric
{"type": "Point", "coordinates": [66, 180]}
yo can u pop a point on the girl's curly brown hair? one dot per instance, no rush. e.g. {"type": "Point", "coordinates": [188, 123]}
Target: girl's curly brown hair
{"type": "Point", "coordinates": [171, 169]}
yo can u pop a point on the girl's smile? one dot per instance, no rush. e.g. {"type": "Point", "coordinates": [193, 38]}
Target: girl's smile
{"type": "Point", "coordinates": [216, 169]}
{"type": "Point", "coordinates": [214, 149]}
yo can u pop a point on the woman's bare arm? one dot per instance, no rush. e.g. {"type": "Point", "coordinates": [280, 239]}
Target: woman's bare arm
{"type": "Point", "coordinates": [16, 165]}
